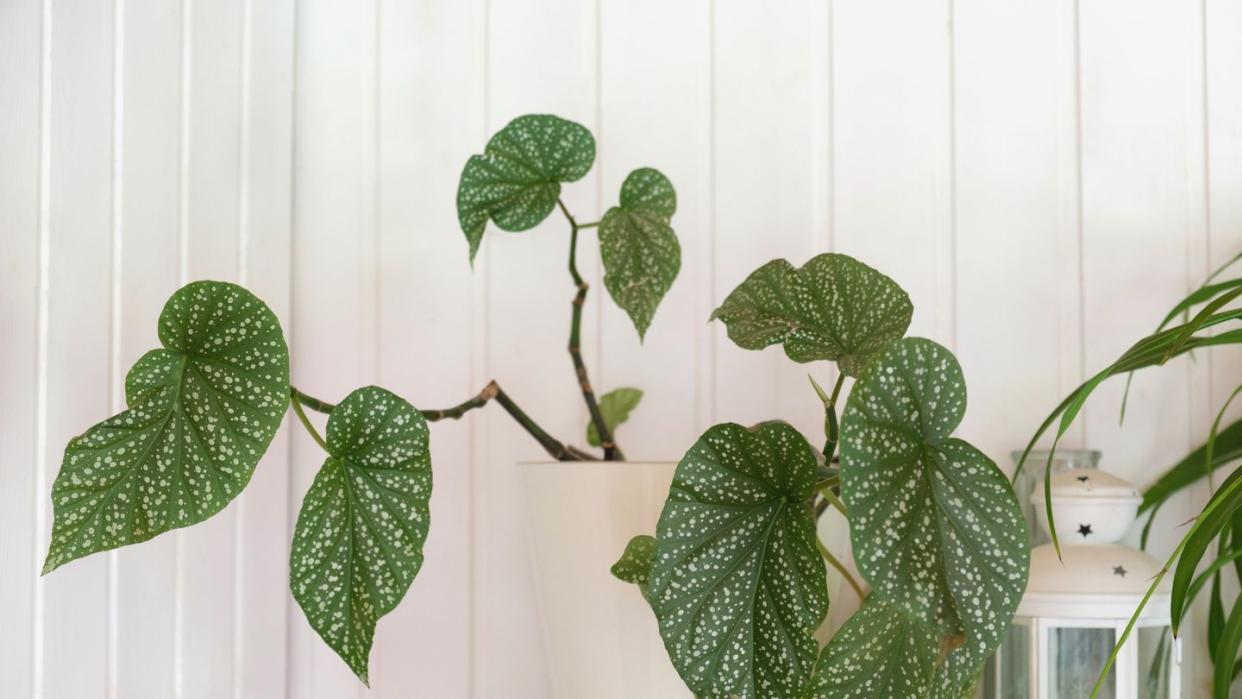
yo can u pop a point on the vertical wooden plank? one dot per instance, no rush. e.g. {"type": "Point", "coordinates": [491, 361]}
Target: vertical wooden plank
{"type": "Point", "coordinates": [1141, 208]}
{"type": "Point", "coordinates": [1136, 214]}
{"type": "Point", "coordinates": [148, 219]}
{"type": "Point", "coordinates": [79, 285]}
{"type": "Point", "coordinates": [1222, 26]}
{"type": "Point", "coordinates": [334, 77]}
{"type": "Point", "coordinates": [1008, 168]}
{"type": "Point", "coordinates": [430, 116]}
{"type": "Point", "coordinates": [892, 150]}
{"type": "Point", "coordinates": [207, 566]}
{"type": "Point", "coordinates": [20, 134]}
{"type": "Point", "coordinates": [765, 188]}
{"type": "Point", "coordinates": [264, 211]}
{"type": "Point", "coordinates": [655, 97]}
{"type": "Point", "coordinates": [541, 59]}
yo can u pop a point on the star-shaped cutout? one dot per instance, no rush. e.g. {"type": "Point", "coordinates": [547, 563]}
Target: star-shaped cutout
{"type": "Point", "coordinates": [1083, 479]}
{"type": "Point", "coordinates": [1119, 571]}
{"type": "Point", "coordinates": [1085, 530]}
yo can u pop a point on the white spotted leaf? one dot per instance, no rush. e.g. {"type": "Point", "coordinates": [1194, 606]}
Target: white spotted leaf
{"type": "Point", "coordinates": [359, 537]}
{"type": "Point", "coordinates": [737, 584]}
{"type": "Point", "coordinates": [615, 406]}
{"type": "Point", "coordinates": [639, 249]}
{"type": "Point", "coordinates": [516, 181]}
{"type": "Point", "coordinates": [201, 412]}
{"type": "Point", "coordinates": [879, 652]}
{"type": "Point", "coordinates": [934, 524]}
{"type": "Point", "coordinates": [834, 308]}
{"type": "Point", "coordinates": [634, 566]}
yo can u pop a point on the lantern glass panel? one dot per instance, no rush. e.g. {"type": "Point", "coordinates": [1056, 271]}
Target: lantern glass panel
{"type": "Point", "coordinates": [1077, 654]}
{"type": "Point", "coordinates": [1155, 648]}
{"type": "Point", "coordinates": [1013, 665]}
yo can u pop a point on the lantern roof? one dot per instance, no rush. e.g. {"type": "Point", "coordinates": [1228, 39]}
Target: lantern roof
{"type": "Point", "coordinates": [1101, 581]}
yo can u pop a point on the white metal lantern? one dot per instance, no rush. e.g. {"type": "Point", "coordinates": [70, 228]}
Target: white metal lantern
{"type": "Point", "coordinates": [1075, 609]}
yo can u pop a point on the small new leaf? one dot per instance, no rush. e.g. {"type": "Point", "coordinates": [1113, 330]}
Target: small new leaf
{"type": "Point", "coordinates": [834, 308]}
{"type": "Point", "coordinates": [202, 411]}
{"type": "Point", "coordinates": [516, 181]}
{"type": "Point", "coordinates": [634, 566]}
{"type": "Point", "coordinates": [640, 252]}
{"type": "Point", "coordinates": [615, 406]}
{"type": "Point", "coordinates": [737, 584]}
{"type": "Point", "coordinates": [359, 537]}
{"type": "Point", "coordinates": [935, 526]}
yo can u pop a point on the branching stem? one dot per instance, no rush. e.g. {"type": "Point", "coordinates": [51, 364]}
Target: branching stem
{"type": "Point", "coordinates": [611, 451]}
{"type": "Point", "coordinates": [492, 391]}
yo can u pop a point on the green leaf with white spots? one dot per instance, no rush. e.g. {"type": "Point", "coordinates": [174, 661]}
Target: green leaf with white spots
{"type": "Point", "coordinates": [634, 566]}
{"type": "Point", "coordinates": [201, 412]}
{"type": "Point", "coordinates": [516, 181]}
{"type": "Point", "coordinates": [879, 652]}
{"type": "Point", "coordinates": [615, 406]}
{"type": "Point", "coordinates": [834, 308]}
{"type": "Point", "coordinates": [738, 585]}
{"type": "Point", "coordinates": [359, 537]}
{"type": "Point", "coordinates": [934, 524]}
{"type": "Point", "coordinates": [640, 252]}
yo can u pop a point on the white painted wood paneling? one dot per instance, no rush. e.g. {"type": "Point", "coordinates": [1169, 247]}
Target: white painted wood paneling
{"type": "Point", "coordinates": [1043, 178]}
{"type": "Point", "coordinates": [22, 244]}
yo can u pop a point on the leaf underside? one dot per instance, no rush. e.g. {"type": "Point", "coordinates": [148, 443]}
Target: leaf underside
{"type": "Point", "coordinates": [834, 308]}
{"type": "Point", "coordinates": [516, 181]}
{"type": "Point", "coordinates": [737, 584]}
{"type": "Point", "coordinates": [934, 524]}
{"type": "Point", "coordinates": [201, 412]}
{"type": "Point", "coordinates": [638, 247]}
{"type": "Point", "coordinates": [359, 536]}
{"type": "Point", "coordinates": [616, 406]}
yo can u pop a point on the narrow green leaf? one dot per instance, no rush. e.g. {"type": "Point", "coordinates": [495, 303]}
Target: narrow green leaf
{"type": "Point", "coordinates": [738, 585]}
{"type": "Point", "coordinates": [935, 525]}
{"type": "Point", "coordinates": [516, 181]}
{"type": "Point", "coordinates": [879, 652]}
{"type": "Point", "coordinates": [1190, 470]}
{"type": "Point", "coordinates": [834, 308]}
{"type": "Point", "coordinates": [1216, 617]}
{"type": "Point", "coordinates": [1216, 514]}
{"type": "Point", "coordinates": [634, 566]}
{"type": "Point", "coordinates": [1226, 651]}
{"type": "Point", "coordinates": [616, 406]}
{"type": "Point", "coordinates": [359, 537]}
{"type": "Point", "coordinates": [202, 411]}
{"type": "Point", "coordinates": [638, 247]}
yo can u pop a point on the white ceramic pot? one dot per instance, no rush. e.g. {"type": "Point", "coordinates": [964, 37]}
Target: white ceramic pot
{"type": "Point", "coordinates": [600, 637]}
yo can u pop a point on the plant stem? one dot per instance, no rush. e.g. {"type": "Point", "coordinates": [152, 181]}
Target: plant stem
{"type": "Point", "coordinates": [296, 401]}
{"type": "Point", "coordinates": [611, 451]}
{"type": "Point", "coordinates": [836, 390]}
{"type": "Point", "coordinates": [554, 447]}
{"type": "Point", "coordinates": [845, 573]}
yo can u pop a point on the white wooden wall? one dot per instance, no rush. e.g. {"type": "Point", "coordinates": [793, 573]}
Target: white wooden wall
{"type": "Point", "coordinates": [1044, 178]}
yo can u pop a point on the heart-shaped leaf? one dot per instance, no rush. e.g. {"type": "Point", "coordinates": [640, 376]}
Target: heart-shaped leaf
{"type": "Point", "coordinates": [359, 537]}
{"type": "Point", "coordinates": [834, 308]}
{"type": "Point", "coordinates": [879, 652]}
{"type": "Point", "coordinates": [934, 524]}
{"type": "Point", "coordinates": [202, 411]}
{"type": "Point", "coordinates": [615, 406]}
{"type": "Point", "coordinates": [517, 179]}
{"type": "Point", "coordinates": [634, 566]}
{"type": "Point", "coordinates": [738, 584]}
{"type": "Point", "coordinates": [640, 252]}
